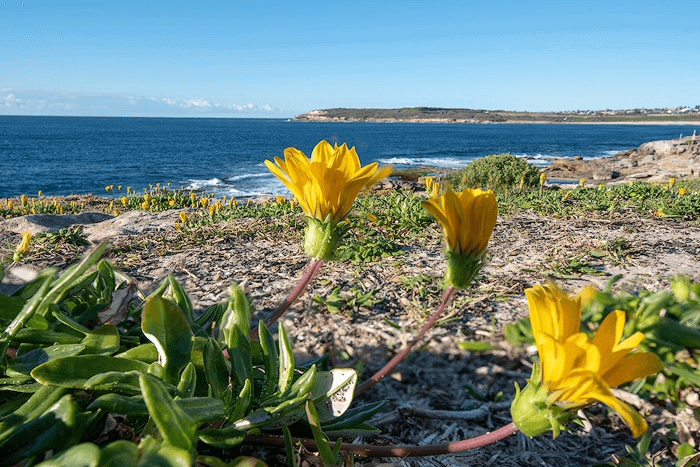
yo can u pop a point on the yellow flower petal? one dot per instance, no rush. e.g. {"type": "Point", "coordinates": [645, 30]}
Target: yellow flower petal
{"type": "Point", "coordinates": [328, 182]}
{"type": "Point", "coordinates": [576, 370]}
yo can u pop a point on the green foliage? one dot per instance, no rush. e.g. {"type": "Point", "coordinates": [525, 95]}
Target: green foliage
{"type": "Point", "coordinates": [496, 172]}
{"type": "Point", "coordinates": [179, 391]}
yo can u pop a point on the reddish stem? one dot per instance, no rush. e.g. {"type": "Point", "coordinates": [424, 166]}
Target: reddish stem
{"type": "Point", "coordinates": [310, 273]}
{"type": "Point", "coordinates": [401, 355]}
{"type": "Point", "coordinates": [368, 450]}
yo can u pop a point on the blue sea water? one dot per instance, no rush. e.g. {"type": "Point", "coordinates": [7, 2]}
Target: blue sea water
{"type": "Point", "coordinates": [74, 155]}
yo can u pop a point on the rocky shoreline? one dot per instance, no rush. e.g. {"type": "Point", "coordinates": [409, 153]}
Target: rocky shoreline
{"type": "Point", "coordinates": [472, 116]}
{"type": "Point", "coordinates": [656, 161]}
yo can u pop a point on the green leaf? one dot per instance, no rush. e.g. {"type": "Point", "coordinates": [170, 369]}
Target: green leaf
{"type": "Point", "coordinates": [103, 340]}
{"type": "Point", "coordinates": [188, 381]}
{"type": "Point", "coordinates": [199, 409]}
{"type": "Point", "coordinates": [105, 281]}
{"type": "Point", "coordinates": [10, 307]}
{"type": "Point", "coordinates": [145, 353]}
{"type": "Point", "coordinates": [119, 454]}
{"type": "Point", "coordinates": [333, 391]}
{"type": "Point", "coordinates": [73, 372]}
{"type": "Point", "coordinates": [353, 417]}
{"type": "Point", "coordinates": [28, 310]}
{"type": "Point", "coordinates": [179, 296]}
{"type": "Point", "coordinates": [241, 358]}
{"type": "Point", "coordinates": [118, 404]}
{"type": "Point", "coordinates": [44, 337]}
{"type": "Point", "coordinates": [164, 324]}
{"type": "Point", "coordinates": [286, 413]}
{"type": "Point", "coordinates": [270, 359]}
{"type": "Point", "coordinates": [81, 455]}
{"type": "Point", "coordinates": [176, 427]}
{"type": "Point", "coordinates": [166, 456]}
{"type": "Point", "coordinates": [242, 402]}
{"type": "Point", "coordinates": [126, 382]}
{"type": "Point", "coordinates": [236, 315]}
{"type": "Point", "coordinates": [215, 368]}
{"type": "Point", "coordinates": [286, 361]}
{"type": "Point", "coordinates": [202, 409]}
{"type": "Point", "coordinates": [225, 438]}
{"type": "Point", "coordinates": [324, 449]}
{"type": "Point", "coordinates": [476, 346]}
{"type": "Point", "coordinates": [27, 362]}
{"type": "Point", "coordinates": [37, 404]}
{"type": "Point", "coordinates": [689, 376]}
{"type": "Point", "coordinates": [50, 431]}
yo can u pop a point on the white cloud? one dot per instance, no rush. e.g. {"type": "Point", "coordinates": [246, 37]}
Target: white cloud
{"type": "Point", "coordinates": [267, 107]}
{"type": "Point", "coordinates": [200, 103]}
{"type": "Point", "coordinates": [250, 105]}
{"type": "Point", "coordinates": [169, 101]}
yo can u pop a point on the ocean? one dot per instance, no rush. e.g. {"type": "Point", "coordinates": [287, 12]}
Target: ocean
{"type": "Point", "coordinates": [77, 155]}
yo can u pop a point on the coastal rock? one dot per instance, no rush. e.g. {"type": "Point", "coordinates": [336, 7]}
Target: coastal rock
{"type": "Point", "coordinates": [134, 223]}
{"type": "Point", "coordinates": [96, 226]}
{"type": "Point", "coordinates": [656, 161]}
{"type": "Point", "coordinates": [44, 223]}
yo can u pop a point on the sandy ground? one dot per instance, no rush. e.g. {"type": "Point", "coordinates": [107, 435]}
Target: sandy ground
{"type": "Point", "coordinates": [525, 249]}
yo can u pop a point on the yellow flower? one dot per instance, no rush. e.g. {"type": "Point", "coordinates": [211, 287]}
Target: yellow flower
{"type": "Point", "coordinates": [171, 202]}
{"type": "Point", "coordinates": [147, 197]}
{"type": "Point", "coordinates": [468, 219]}
{"type": "Point", "coordinates": [428, 183]}
{"type": "Point", "coordinates": [205, 202]}
{"type": "Point", "coordinates": [178, 226]}
{"type": "Point", "coordinates": [183, 217]}
{"type": "Point", "coordinates": [39, 193]}
{"type": "Point", "coordinates": [325, 186]}
{"type": "Point", "coordinates": [587, 295]}
{"type": "Point", "coordinates": [328, 182]}
{"type": "Point", "coordinates": [543, 177]}
{"type": "Point", "coordinates": [10, 205]}
{"type": "Point", "coordinates": [23, 199]}
{"type": "Point", "coordinates": [279, 199]}
{"type": "Point", "coordinates": [144, 205]}
{"type": "Point", "coordinates": [22, 247]}
{"type": "Point", "coordinates": [574, 370]}
{"type": "Point", "coordinates": [124, 200]}
{"type": "Point", "coordinates": [128, 190]}
{"type": "Point", "coordinates": [107, 188]}
{"type": "Point", "coordinates": [567, 195]}
{"type": "Point", "coordinates": [212, 209]}
{"type": "Point", "coordinates": [24, 243]}
{"type": "Point", "coordinates": [582, 182]}
{"type": "Point", "coordinates": [681, 191]}
{"type": "Point", "coordinates": [671, 182]}
{"type": "Point", "coordinates": [372, 218]}
{"type": "Point", "coordinates": [119, 188]}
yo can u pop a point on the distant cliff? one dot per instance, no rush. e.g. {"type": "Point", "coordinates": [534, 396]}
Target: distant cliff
{"type": "Point", "coordinates": [445, 115]}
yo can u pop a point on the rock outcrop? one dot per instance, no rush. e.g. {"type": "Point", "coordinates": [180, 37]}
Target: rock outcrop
{"type": "Point", "coordinates": [656, 161]}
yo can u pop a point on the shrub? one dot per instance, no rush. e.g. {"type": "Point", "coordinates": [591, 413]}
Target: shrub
{"type": "Point", "coordinates": [496, 172]}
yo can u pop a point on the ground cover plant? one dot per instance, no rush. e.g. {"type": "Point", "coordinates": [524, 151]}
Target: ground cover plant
{"type": "Point", "coordinates": [186, 385]}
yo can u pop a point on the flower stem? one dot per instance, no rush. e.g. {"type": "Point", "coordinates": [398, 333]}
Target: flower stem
{"type": "Point", "coordinates": [369, 450]}
{"type": "Point", "coordinates": [311, 271]}
{"type": "Point", "coordinates": [401, 355]}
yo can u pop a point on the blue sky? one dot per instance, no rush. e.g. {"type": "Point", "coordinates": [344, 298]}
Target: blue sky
{"type": "Point", "coordinates": [278, 59]}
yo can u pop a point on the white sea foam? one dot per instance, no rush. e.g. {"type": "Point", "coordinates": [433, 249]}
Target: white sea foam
{"type": "Point", "coordinates": [236, 178]}
{"type": "Point", "coordinates": [446, 162]}
{"type": "Point", "coordinates": [200, 184]}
